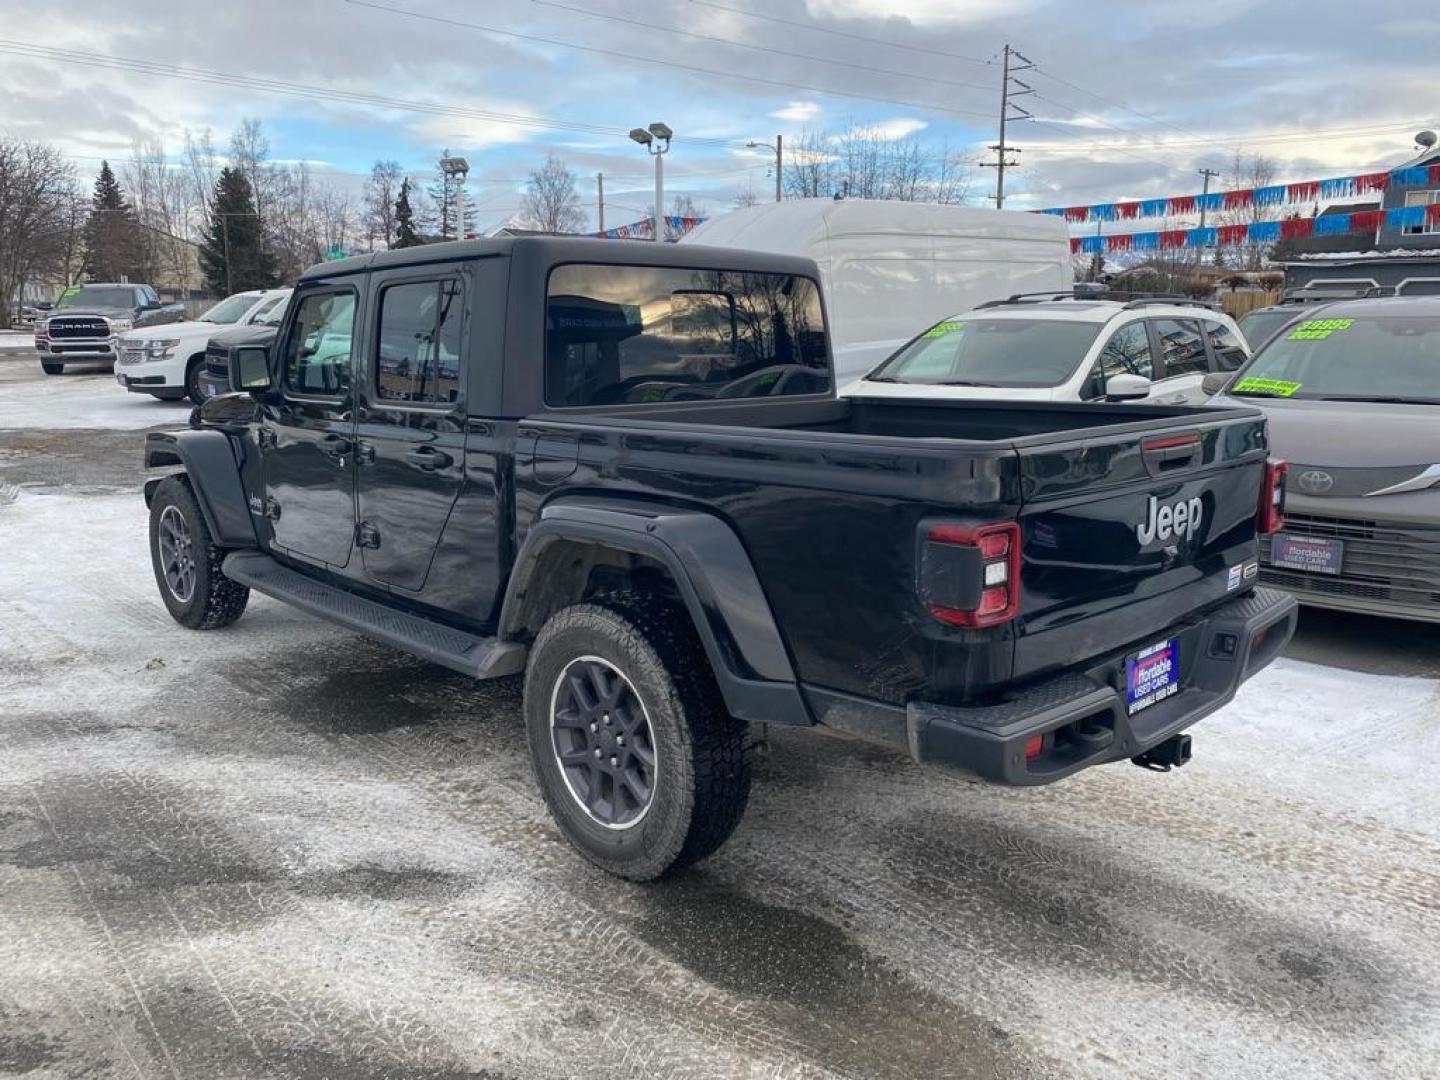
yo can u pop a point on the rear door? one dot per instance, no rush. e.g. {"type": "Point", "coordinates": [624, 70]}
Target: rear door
{"type": "Point", "coordinates": [1127, 529]}
{"type": "Point", "coordinates": [411, 426]}
{"type": "Point", "coordinates": [1183, 361]}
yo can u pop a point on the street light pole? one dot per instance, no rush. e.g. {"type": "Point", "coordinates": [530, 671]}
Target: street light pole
{"type": "Point", "coordinates": [458, 168]}
{"type": "Point", "coordinates": [652, 139]}
{"type": "Point", "coordinates": [779, 151]}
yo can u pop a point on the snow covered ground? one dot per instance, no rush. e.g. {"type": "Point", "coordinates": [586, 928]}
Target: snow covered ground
{"type": "Point", "coordinates": [82, 397]}
{"type": "Point", "coordinates": [278, 850]}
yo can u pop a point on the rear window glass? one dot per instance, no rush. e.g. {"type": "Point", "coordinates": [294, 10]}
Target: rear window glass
{"type": "Point", "coordinates": [969, 351]}
{"type": "Point", "coordinates": [626, 334]}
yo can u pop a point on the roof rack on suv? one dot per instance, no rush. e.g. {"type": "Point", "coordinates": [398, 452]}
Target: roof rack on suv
{"type": "Point", "coordinates": [1171, 301]}
{"type": "Point", "coordinates": [1027, 298]}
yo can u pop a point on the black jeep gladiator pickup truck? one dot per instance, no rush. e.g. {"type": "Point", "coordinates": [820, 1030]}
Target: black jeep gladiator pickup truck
{"type": "Point", "coordinates": [88, 319]}
{"type": "Point", "coordinates": [622, 470]}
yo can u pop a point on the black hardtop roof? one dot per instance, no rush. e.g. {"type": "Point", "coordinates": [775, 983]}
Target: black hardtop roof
{"type": "Point", "coordinates": [561, 249]}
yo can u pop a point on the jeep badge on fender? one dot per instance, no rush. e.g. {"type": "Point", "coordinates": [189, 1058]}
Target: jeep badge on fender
{"type": "Point", "coordinates": [1176, 519]}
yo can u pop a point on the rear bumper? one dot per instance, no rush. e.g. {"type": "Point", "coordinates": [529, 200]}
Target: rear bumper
{"type": "Point", "coordinates": [1082, 715]}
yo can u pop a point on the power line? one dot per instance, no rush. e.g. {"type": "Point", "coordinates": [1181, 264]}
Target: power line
{"type": "Point", "coordinates": [1231, 141]}
{"type": "Point", "coordinates": [275, 86]}
{"type": "Point", "coordinates": [1119, 105]}
{"type": "Point", "coordinates": [648, 25]}
{"type": "Point", "coordinates": [637, 58]}
{"type": "Point", "coordinates": [840, 33]}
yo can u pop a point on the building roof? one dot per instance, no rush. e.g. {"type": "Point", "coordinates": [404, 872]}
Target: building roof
{"type": "Point", "coordinates": [1361, 255]}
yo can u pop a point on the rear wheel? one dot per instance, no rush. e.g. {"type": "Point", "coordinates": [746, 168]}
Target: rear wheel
{"type": "Point", "coordinates": [50, 367]}
{"type": "Point", "coordinates": [187, 563]}
{"type": "Point", "coordinates": [641, 765]}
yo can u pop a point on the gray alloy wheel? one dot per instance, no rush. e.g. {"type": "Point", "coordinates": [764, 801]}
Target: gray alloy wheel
{"type": "Point", "coordinates": [603, 742]}
{"type": "Point", "coordinates": [177, 554]}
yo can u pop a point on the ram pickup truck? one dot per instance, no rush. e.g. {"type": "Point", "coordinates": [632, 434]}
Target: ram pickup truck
{"type": "Point", "coordinates": [88, 320]}
{"type": "Point", "coordinates": [622, 470]}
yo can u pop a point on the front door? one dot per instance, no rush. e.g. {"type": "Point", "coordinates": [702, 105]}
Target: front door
{"type": "Point", "coordinates": [308, 429]}
{"type": "Point", "coordinates": [411, 430]}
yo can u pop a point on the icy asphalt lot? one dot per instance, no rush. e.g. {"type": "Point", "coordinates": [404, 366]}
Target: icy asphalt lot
{"type": "Point", "coordinates": [280, 851]}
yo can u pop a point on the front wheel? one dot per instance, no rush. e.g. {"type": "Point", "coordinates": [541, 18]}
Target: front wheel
{"type": "Point", "coordinates": [51, 368]}
{"type": "Point", "coordinates": [639, 761]}
{"type": "Point", "coordinates": [193, 390]}
{"type": "Point", "coordinates": [187, 563]}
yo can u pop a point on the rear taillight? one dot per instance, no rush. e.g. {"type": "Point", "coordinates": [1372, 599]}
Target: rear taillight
{"type": "Point", "coordinates": [971, 575]}
{"type": "Point", "coordinates": [1270, 515]}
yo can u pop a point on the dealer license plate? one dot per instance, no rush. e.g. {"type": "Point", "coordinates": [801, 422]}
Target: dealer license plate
{"type": "Point", "coordinates": [1152, 675]}
{"type": "Point", "coordinates": [1313, 554]}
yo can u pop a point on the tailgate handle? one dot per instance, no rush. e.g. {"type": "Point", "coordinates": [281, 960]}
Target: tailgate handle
{"type": "Point", "coordinates": [1167, 454]}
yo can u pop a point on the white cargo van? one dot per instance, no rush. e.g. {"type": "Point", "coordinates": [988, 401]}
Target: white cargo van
{"type": "Point", "coordinates": [891, 269]}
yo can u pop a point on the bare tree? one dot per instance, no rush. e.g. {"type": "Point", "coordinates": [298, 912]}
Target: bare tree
{"type": "Point", "coordinates": [551, 201]}
{"type": "Point", "coordinates": [862, 163]}
{"type": "Point", "coordinates": [381, 192]}
{"type": "Point", "coordinates": [250, 153]}
{"type": "Point", "coordinates": [160, 193]}
{"type": "Point", "coordinates": [200, 166]}
{"type": "Point", "coordinates": [745, 197]}
{"type": "Point", "coordinates": [1254, 171]}
{"type": "Point", "coordinates": [37, 207]}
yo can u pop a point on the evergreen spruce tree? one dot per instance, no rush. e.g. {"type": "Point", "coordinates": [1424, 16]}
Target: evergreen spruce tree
{"type": "Point", "coordinates": [114, 250]}
{"type": "Point", "coordinates": [405, 234]}
{"type": "Point", "coordinates": [233, 256]}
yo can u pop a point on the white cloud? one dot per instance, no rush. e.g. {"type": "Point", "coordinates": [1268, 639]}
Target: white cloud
{"type": "Point", "coordinates": [899, 127]}
{"type": "Point", "coordinates": [471, 134]}
{"type": "Point", "coordinates": [800, 112]}
{"type": "Point", "coordinates": [918, 11]}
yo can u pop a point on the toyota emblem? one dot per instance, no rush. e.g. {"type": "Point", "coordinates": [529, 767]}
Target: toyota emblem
{"type": "Point", "coordinates": [1316, 481]}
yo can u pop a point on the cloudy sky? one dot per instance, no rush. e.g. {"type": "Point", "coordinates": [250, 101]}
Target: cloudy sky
{"type": "Point", "coordinates": [1130, 98]}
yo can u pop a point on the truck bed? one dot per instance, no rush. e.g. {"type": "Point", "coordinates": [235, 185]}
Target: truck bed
{"type": "Point", "coordinates": [831, 500]}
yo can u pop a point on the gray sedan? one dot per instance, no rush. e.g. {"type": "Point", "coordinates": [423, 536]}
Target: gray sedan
{"type": "Point", "coordinates": [1352, 392]}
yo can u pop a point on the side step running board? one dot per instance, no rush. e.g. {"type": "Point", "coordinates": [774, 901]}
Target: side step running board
{"type": "Point", "coordinates": [481, 657]}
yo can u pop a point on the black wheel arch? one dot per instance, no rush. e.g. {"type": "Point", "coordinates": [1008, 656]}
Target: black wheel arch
{"type": "Point", "coordinates": [691, 553]}
{"type": "Point", "coordinates": [208, 460]}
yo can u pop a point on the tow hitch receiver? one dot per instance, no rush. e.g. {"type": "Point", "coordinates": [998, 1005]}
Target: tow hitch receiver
{"type": "Point", "coordinates": [1170, 754]}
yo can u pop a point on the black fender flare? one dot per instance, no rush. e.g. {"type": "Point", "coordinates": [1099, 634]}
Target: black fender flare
{"type": "Point", "coordinates": [715, 579]}
{"type": "Point", "coordinates": [208, 458]}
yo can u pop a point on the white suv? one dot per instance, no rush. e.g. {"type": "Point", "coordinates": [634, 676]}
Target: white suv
{"type": "Point", "coordinates": [166, 361]}
{"type": "Point", "coordinates": [1063, 348]}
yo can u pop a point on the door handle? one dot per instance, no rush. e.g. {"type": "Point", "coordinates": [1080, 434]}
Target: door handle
{"type": "Point", "coordinates": [428, 458]}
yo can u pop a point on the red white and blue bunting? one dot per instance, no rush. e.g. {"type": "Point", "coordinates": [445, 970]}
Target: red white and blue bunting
{"type": "Point", "coordinates": [1305, 191]}
{"type": "Point", "coordinates": [1261, 232]}
{"type": "Point", "coordinates": [644, 229]}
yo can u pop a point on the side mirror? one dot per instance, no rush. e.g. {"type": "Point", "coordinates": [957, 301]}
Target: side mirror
{"type": "Point", "coordinates": [1215, 382]}
{"type": "Point", "coordinates": [1126, 387]}
{"type": "Point", "coordinates": [250, 369]}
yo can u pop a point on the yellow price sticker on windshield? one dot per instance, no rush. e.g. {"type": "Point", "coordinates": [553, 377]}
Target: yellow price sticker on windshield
{"type": "Point", "coordinates": [949, 326]}
{"type": "Point", "coordinates": [1317, 329]}
{"type": "Point", "coordinates": [1276, 387]}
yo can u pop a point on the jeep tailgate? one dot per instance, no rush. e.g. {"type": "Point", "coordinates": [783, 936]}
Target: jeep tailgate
{"type": "Point", "coordinates": [1126, 531]}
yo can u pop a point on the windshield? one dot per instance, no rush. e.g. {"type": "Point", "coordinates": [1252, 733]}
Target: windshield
{"type": "Point", "coordinates": [991, 352]}
{"type": "Point", "coordinates": [273, 313]}
{"type": "Point", "coordinates": [1259, 325]}
{"type": "Point", "coordinates": [1384, 358]}
{"type": "Point", "coordinates": [97, 296]}
{"type": "Point", "coordinates": [231, 308]}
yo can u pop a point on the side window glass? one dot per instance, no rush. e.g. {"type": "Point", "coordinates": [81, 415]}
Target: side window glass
{"type": "Point", "coordinates": [317, 352]}
{"type": "Point", "coordinates": [417, 357]}
{"type": "Point", "coordinates": [1229, 349]}
{"type": "Point", "coordinates": [1184, 347]}
{"type": "Point", "coordinates": [1126, 353]}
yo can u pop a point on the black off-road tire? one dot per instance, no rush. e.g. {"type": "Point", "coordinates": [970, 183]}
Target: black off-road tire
{"type": "Point", "coordinates": [193, 389]}
{"type": "Point", "coordinates": [211, 600]}
{"type": "Point", "coordinates": [702, 772]}
{"type": "Point", "coordinates": [52, 368]}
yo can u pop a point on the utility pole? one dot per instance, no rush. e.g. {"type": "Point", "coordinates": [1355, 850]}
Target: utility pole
{"type": "Point", "coordinates": [1010, 88]}
{"type": "Point", "coordinates": [779, 162]}
{"type": "Point", "coordinates": [656, 139]}
{"type": "Point", "coordinates": [600, 199]}
{"type": "Point", "coordinates": [1207, 174]}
